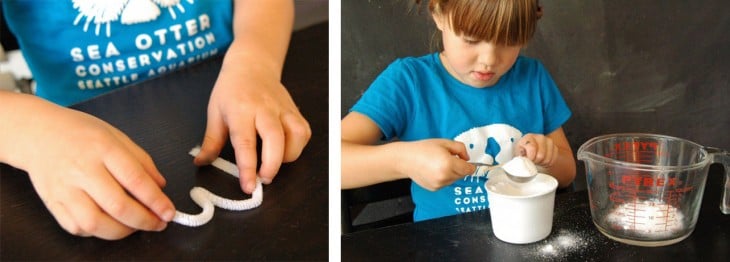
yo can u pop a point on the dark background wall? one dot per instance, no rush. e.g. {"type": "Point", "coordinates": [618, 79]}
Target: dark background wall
{"type": "Point", "coordinates": [654, 66]}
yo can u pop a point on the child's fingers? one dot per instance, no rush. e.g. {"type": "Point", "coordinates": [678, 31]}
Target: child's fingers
{"type": "Point", "coordinates": [149, 166]}
{"type": "Point", "coordinates": [64, 218]}
{"type": "Point", "coordinates": [243, 139]}
{"type": "Point", "coordinates": [216, 135]}
{"type": "Point", "coordinates": [297, 133]}
{"type": "Point", "coordinates": [124, 170]}
{"type": "Point", "coordinates": [548, 152]}
{"type": "Point", "coordinates": [545, 151]}
{"type": "Point", "coordinates": [463, 168]}
{"type": "Point", "coordinates": [116, 203]}
{"type": "Point", "coordinates": [554, 156]}
{"type": "Point", "coordinates": [145, 159]}
{"type": "Point", "coordinates": [540, 152]}
{"type": "Point", "coordinates": [527, 148]}
{"type": "Point", "coordinates": [271, 132]}
{"type": "Point", "coordinates": [92, 221]}
{"type": "Point", "coordinates": [540, 149]}
{"type": "Point", "coordinates": [456, 148]}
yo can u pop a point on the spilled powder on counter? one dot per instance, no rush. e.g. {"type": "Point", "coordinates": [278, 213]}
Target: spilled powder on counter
{"type": "Point", "coordinates": [562, 244]}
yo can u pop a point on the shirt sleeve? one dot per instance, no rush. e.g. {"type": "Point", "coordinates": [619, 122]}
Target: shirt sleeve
{"type": "Point", "coordinates": [555, 110]}
{"type": "Point", "coordinates": [386, 100]}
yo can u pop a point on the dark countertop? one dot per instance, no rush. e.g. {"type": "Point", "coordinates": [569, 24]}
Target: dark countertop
{"type": "Point", "coordinates": [166, 116]}
{"type": "Point", "coordinates": [469, 237]}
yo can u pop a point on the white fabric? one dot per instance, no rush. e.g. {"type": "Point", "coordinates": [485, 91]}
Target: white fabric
{"type": "Point", "coordinates": [208, 200]}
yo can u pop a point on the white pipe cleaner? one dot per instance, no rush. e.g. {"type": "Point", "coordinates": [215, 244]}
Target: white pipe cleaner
{"type": "Point", "coordinates": [208, 200]}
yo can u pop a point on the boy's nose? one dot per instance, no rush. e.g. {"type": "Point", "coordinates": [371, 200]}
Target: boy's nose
{"type": "Point", "coordinates": [488, 55]}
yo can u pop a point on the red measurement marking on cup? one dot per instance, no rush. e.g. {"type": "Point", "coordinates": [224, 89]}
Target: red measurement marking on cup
{"type": "Point", "coordinates": [638, 180]}
{"type": "Point", "coordinates": [636, 152]}
{"type": "Point", "coordinates": [636, 146]}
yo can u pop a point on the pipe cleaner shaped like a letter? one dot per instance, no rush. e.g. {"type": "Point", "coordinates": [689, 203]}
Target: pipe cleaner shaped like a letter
{"type": "Point", "coordinates": [208, 201]}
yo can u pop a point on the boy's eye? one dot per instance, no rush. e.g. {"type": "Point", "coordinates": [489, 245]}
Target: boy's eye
{"type": "Point", "coordinates": [471, 41]}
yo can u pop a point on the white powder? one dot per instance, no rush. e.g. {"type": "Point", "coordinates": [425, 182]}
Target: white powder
{"type": "Point", "coordinates": [548, 249]}
{"type": "Point", "coordinates": [648, 218]}
{"type": "Point", "coordinates": [520, 166]}
{"type": "Point", "coordinates": [562, 244]}
{"type": "Point", "coordinates": [566, 240]}
{"type": "Point", "coordinates": [504, 187]}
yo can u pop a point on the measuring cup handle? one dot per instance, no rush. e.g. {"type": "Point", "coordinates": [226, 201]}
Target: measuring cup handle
{"type": "Point", "coordinates": [721, 156]}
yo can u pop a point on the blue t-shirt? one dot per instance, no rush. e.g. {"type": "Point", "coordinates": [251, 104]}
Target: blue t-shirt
{"type": "Point", "coordinates": [416, 98]}
{"type": "Point", "coordinates": [80, 49]}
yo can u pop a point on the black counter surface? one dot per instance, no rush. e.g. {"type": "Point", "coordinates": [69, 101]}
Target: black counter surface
{"type": "Point", "coordinates": [469, 237]}
{"type": "Point", "coordinates": [166, 116]}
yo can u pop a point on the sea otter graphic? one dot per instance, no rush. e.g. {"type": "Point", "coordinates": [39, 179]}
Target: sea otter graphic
{"type": "Point", "coordinates": [491, 144]}
{"type": "Point", "coordinates": [126, 11]}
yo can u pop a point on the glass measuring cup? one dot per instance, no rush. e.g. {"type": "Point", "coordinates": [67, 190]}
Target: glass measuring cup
{"type": "Point", "coordinates": [646, 189]}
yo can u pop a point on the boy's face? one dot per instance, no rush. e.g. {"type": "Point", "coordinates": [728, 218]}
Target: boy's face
{"type": "Point", "coordinates": [476, 63]}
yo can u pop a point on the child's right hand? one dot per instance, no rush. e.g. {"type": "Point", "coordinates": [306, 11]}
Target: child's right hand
{"type": "Point", "coordinates": [94, 180]}
{"type": "Point", "coordinates": [432, 163]}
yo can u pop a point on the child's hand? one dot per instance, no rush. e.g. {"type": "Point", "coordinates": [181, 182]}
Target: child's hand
{"type": "Point", "coordinates": [94, 180]}
{"type": "Point", "coordinates": [432, 163]}
{"type": "Point", "coordinates": [538, 148]}
{"type": "Point", "coordinates": [247, 100]}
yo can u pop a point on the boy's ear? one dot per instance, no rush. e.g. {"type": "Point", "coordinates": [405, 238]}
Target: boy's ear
{"type": "Point", "coordinates": [439, 19]}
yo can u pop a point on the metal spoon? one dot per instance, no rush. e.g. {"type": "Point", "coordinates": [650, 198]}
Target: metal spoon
{"type": "Point", "coordinates": [521, 161]}
{"type": "Point", "coordinates": [517, 179]}
{"type": "Point", "coordinates": [486, 166]}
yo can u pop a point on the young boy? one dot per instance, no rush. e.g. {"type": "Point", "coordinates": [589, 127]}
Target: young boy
{"type": "Point", "coordinates": [477, 101]}
{"type": "Point", "coordinates": [93, 178]}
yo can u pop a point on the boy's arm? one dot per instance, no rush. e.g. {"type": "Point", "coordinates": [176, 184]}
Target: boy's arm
{"type": "Point", "coordinates": [364, 163]}
{"type": "Point", "coordinates": [431, 163]}
{"type": "Point", "coordinates": [248, 98]}
{"type": "Point", "coordinates": [564, 167]}
{"type": "Point", "coordinates": [261, 33]}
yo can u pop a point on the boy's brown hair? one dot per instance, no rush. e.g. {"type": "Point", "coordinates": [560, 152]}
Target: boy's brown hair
{"type": "Point", "coordinates": [504, 22]}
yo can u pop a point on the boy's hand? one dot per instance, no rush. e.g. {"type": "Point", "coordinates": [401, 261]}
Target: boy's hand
{"type": "Point", "coordinates": [538, 148]}
{"type": "Point", "coordinates": [247, 101]}
{"type": "Point", "coordinates": [432, 163]}
{"type": "Point", "coordinates": [94, 180]}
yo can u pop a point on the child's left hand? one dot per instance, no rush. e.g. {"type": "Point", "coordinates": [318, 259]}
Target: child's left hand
{"type": "Point", "coordinates": [538, 148]}
{"type": "Point", "coordinates": [248, 100]}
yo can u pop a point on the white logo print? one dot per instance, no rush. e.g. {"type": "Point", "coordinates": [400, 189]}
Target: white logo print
{"type": "Point", "coordinates": [127, 11]}
{"type": "Point", "coordinates": [490, 144]}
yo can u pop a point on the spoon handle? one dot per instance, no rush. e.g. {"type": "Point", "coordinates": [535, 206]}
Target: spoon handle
{"type": "Point", "coordinates": [482, 165]}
